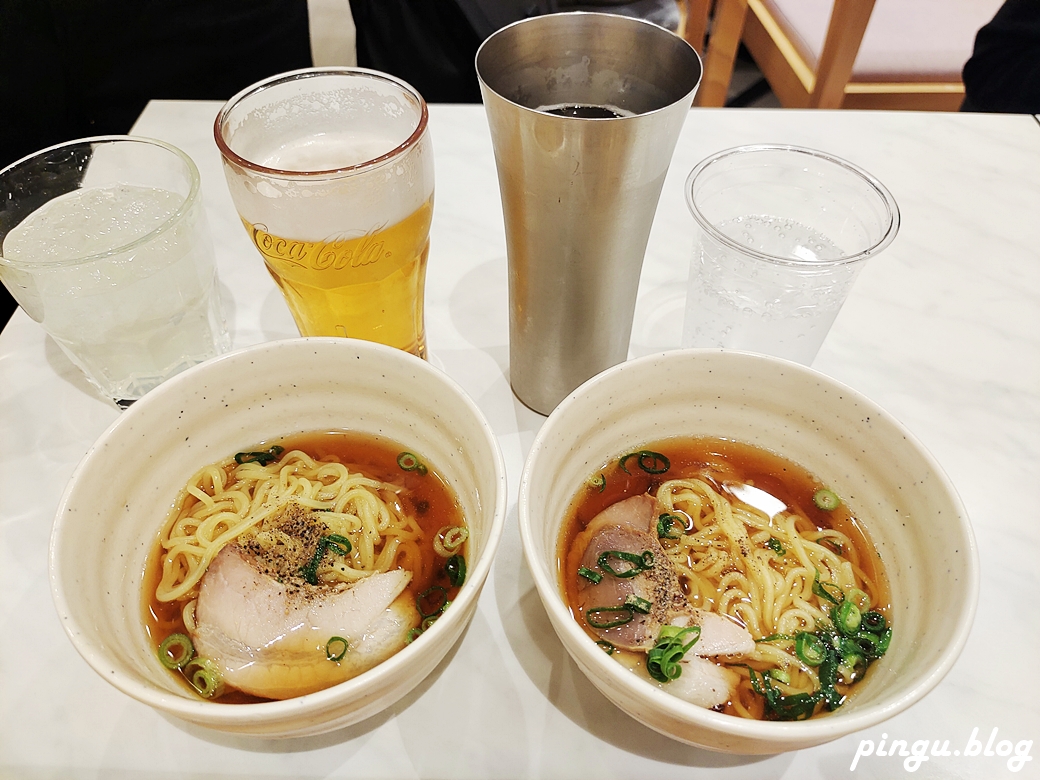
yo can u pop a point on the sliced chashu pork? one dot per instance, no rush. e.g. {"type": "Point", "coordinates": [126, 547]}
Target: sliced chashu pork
{"type": "Point", "coordinates": [702, 681]}
{"type": "Point", "coordinates": [270, 641]}
{"type": "Point", "coordinates": [631, 526]}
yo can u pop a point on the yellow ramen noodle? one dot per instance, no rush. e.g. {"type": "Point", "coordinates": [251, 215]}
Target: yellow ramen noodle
{"type": "Point", "coordinates": [232, 500]}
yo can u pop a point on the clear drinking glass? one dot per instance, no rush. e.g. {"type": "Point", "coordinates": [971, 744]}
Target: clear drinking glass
{"type": "Point", "coordinates": [104, 242]}
{"type": "Point", "coordinates": [331, 171]}
{"type": "Point", "coordinates": [782, 234]}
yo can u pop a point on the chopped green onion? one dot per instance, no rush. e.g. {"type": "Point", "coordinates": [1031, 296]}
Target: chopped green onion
{"type": "Point", "coordinates": [670, 527]}
{"type": "Point", "coordinates": [675, 633]}
{"type": "Point", "coordinates": [847, 617]}
{"type": "Point", "coordinates": [776, 638]}
{"type": "Point", "coordinates": [431, 601]}
{"type": "Point", "coordinates": [204, 677]}
{"type": "Point", "coordinates": [176, 650]}
{"type": "Point", "coordinates": [263, 458]}
{"type": "Point", "coordinates": [884, 640]}
{"type": "Point", "coordinates": [820, 589]}
{"type": "Point", "coordinates": [653, 462]}
{"type": "Point", "coordinates": [780, 675]}
{"type": "Point", "coordinates": [845, 646]}
{"type": "Point", "coordinates": [798, 706]}
{"type": "Point", "coordinates": [873, 645]}
{"type": "Point", "coordinates": [662, 662]}
{"type": "Point", "coordinates": [428, 621]}
{"type": "Point", "coordinates": [624, 615]}
{"type": "Point", "coordinates": [826, 500]}
{"type": "Point", "coordinates": [597, 481]}
{"type": "Point", "coordinates": [649, 461]}
{"type": "Point", "coordinates": [836, 658]}
{"type": "Point", "coordinates": [835, 546]}
{"type": "Point", "coordinates": [852, 667]}
{"type": "Point", "coordinates": [874, 621]}
{"type": "Point", "coordinates": [413, 635]}
{"type": "Point", "coordinates": [859, 598]}
{"type": "Point", "coordinates": [448, 540]}
{"type": "Point", "coordinates": [336, 648]}
{"type": "Point", "coordinates": [592, 576]}
{"type": "Point", "coordinates": [336, 543]}
{"type": "Point", "coordinates": [639, 563]}
{"type": "Point", "coordinates": [828, 674]}
{"type": "Point", "coordinates": [776, 546]}
{"type": "Point", "coordinates": [809, 648]}
{"type": "Point", "coordinates": [608, 648]}
{"type": "Point", "coordinates": [409, 462]}
{"type": "Point", "coordinates": [456, 570]}
{"type": "Point", "coordinates": [640, 605]}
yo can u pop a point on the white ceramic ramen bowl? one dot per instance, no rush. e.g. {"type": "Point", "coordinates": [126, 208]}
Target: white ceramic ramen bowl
{"type": "Point", "coordinates": [908, 506]}
{"type": "Point", "coordinates": [109, 517]}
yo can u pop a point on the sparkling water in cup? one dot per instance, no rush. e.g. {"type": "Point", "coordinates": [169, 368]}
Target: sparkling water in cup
{"type": "Point", "coordinates": [782, 234]}
{"type": "Point", "coordinates": [105, 244]}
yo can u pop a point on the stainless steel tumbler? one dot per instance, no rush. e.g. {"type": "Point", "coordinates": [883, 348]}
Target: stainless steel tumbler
{"type": "Point", "coordinates": [585, 110]}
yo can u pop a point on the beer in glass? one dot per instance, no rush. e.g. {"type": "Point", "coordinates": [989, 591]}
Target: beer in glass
{"type": "Point", "coordinates": [331, 171]}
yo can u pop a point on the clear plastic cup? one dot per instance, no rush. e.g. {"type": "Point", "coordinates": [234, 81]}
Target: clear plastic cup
{"type": "Point", "coordinates": [104, 242]}
{"type": "Point", "coordinates": [782, 234]}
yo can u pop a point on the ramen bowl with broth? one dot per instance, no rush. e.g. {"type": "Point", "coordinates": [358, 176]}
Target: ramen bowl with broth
{"type": "Point", "coordinates": [742, 553]}
{"type": "Point", "coordinates": [136, 559]}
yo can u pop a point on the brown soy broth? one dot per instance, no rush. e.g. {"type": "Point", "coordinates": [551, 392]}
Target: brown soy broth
{"type": "Point", "coordinates": [426, 498]}
{"type": "Point", "coordinates": [722, 461]}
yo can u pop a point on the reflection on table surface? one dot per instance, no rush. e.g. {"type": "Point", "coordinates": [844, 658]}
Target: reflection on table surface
{"type": "Point", "coordinates": [941, 330]}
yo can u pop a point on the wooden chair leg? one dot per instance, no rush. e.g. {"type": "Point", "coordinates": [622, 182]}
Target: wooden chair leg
{"type": "Point", "coordinates": [695, 22]}
{"type": "Point", "coordinates": [845, 32]}
{"type": "Point", "coordinates": [722, 52]}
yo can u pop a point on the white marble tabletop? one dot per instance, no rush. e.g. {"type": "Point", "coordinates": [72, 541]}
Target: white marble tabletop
{"type": "Point", "coordinates": [943, 330]}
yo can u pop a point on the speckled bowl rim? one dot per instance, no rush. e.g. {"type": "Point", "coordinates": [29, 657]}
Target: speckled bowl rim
{"type": "Point", "coordinates": [243, 716]}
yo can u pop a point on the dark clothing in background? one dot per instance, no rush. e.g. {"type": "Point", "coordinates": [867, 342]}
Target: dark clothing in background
{"type": "Point", "coordinates": [430, 44]}
{"type": "Point", "coordinates": [1003, 74]}
{"type": "Point", "coordinates": [76, 68]}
